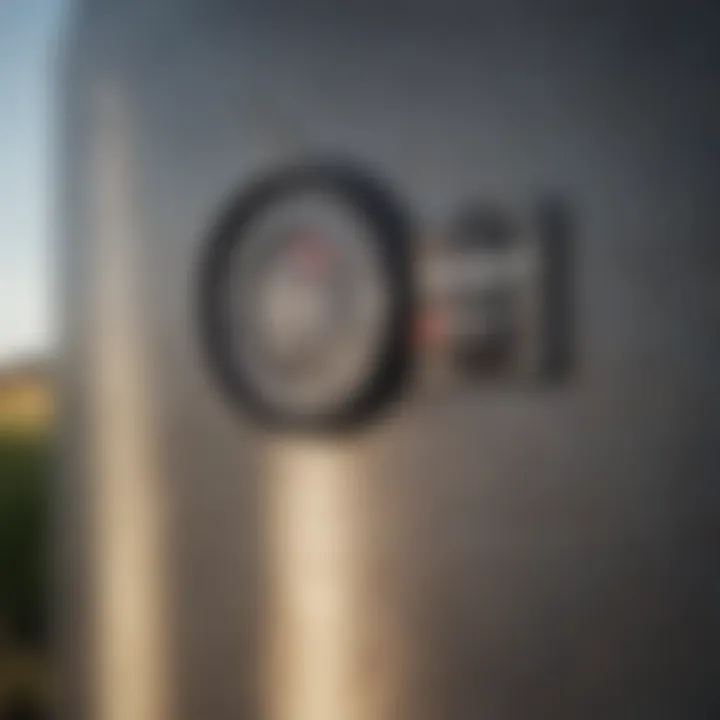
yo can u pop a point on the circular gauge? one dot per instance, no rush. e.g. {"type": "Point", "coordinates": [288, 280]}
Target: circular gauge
{"type": "Point", "coordinates": [306, 297]}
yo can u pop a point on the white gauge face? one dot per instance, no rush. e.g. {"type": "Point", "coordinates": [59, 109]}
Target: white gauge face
{"type": "Point", "coordinates": [308, 303]}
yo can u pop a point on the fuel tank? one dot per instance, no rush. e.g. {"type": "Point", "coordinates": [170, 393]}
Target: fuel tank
{"type": "Point", "coordinates": [501, 551]}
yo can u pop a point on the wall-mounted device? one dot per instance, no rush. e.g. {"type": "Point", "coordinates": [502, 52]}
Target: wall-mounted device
{"type": "Point", "coordinates": [495, 295]}
{"type": "Point", "coordinates": [316, 297]}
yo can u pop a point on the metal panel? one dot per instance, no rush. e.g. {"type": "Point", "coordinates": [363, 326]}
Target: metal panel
{"type": "Point", "coordinates": [501, 554]}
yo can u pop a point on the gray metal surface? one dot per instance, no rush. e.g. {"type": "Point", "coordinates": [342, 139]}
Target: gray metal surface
{"type": "Point", "coordinates": [504, 555]}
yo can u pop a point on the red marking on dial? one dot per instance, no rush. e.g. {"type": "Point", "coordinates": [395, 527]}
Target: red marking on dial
{"type": "Point", "coordinates": [313, 253]}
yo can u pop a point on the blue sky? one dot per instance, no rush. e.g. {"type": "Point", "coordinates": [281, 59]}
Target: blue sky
{"type": "Point", "coordinates": [28, 31]}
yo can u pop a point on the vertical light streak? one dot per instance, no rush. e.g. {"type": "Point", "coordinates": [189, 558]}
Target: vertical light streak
{"type": "Point", "coordinates": [338, 647]}
{"type": "Point", "coordinates": [129, 621]}
{"type": "Point", "coordinates": [314, 582]}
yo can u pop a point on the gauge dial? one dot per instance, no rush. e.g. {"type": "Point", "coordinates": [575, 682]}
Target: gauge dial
{"type": "Point", "coordinates": [306, 297]}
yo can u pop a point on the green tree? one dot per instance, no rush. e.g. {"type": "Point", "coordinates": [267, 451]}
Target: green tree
{"type": "Point", "coordinates": [24, 541]}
